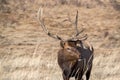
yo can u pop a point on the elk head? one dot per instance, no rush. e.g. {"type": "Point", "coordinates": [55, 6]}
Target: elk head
{"type": "Point", "coordinates": [69, 45]}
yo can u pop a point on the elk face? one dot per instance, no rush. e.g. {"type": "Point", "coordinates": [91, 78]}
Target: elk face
{"type": "Point", "coordinates": [70, 51]}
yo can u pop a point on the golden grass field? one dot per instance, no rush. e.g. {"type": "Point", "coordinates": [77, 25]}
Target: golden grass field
{"type": "Point", "coordinates": [27, 53]}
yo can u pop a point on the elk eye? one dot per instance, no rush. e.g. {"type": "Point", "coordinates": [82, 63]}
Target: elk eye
{"type": "Point", "coordinates": [68, 49]}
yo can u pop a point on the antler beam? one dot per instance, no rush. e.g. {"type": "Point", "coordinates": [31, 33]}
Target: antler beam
{"type": "Point", "coordinates": [41, 21]}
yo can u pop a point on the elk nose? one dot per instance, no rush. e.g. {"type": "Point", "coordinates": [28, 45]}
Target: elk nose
{"type": "Point", "coordinates": [78, 53]}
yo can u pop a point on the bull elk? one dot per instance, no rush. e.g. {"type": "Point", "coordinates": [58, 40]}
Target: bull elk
{"type": "Point", "coordinates": [75, 56]}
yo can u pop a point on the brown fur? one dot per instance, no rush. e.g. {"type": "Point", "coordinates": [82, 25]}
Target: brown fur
{"type": "Point", "coordinates": [68, 58]}
{"type": "Point", "coordinates": [74, 55]}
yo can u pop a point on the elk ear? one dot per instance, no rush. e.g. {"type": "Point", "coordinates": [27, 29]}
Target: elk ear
{"type": "Point", "coordinates": [62, 43]}
{"type": "Point", "coordinates": [78, 42]}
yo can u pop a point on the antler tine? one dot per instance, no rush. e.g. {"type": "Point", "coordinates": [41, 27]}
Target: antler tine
{"type": "Point", "coordinates": [76, 23]}
{"type": "Point", "coordinates": [41, 21]}
{"type": "Point", "coordinates": [84, 37]}
{"type": "Point", "coordinates": [76, 26]}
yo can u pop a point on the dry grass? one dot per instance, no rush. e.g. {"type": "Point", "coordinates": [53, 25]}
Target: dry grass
{"type": "Point", "coordinates": [26, 53]}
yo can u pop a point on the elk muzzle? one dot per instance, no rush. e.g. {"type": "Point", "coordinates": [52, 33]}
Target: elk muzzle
{"type": "Point", "coordinates": [71, 54]}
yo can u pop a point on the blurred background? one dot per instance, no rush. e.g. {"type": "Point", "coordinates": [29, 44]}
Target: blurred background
{"type": "Point", "coordinates": [27, 53]}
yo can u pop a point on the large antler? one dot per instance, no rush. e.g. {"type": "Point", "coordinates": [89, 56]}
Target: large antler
{"type": "Point", "coordinates": [76, 28]}
{"type": "Point", "coordinates": [41, 21]}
